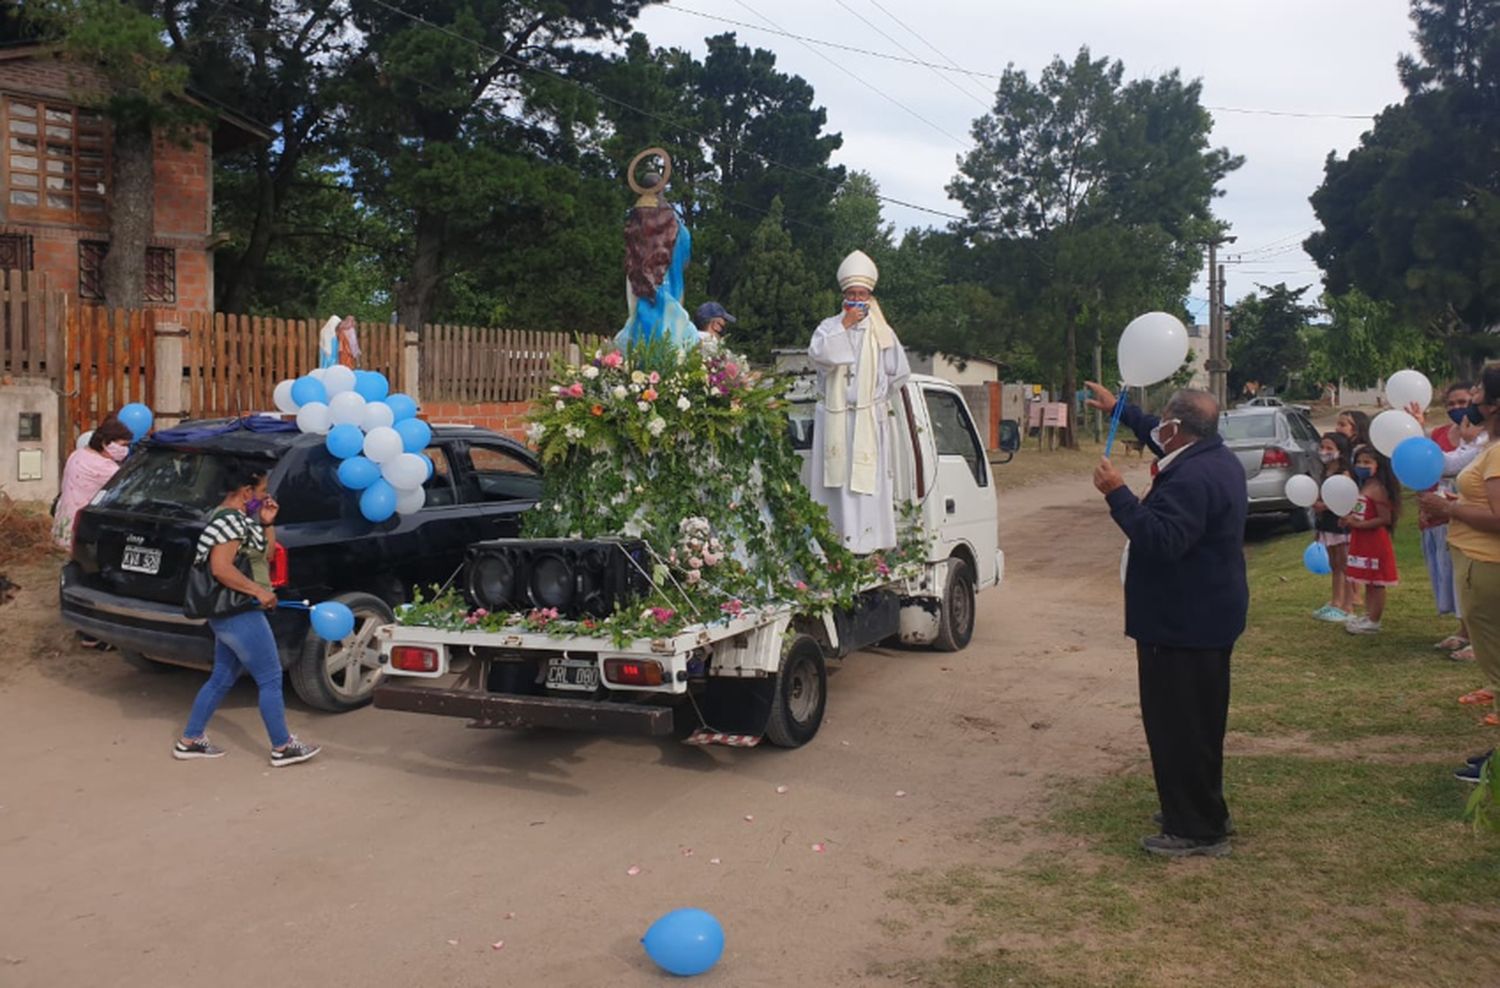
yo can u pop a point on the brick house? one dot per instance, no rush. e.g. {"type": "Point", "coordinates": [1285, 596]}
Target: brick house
{"type": "Point", "coordinates": [54, 175]}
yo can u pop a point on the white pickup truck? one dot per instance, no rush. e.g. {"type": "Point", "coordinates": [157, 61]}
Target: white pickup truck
{"type": "Point", "coordinates": [761, 674]}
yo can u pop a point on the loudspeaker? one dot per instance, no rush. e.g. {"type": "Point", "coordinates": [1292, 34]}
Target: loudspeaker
{"type": "Point", "coordinates": [579, 577]}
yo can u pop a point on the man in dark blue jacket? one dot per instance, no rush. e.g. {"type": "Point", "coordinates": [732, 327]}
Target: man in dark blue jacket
{"type": "Point", "coordinates": [1185, 604]}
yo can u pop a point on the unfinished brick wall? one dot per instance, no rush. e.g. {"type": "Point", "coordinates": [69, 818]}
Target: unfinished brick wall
{"type": "Point", "coordinates": [505, 417]}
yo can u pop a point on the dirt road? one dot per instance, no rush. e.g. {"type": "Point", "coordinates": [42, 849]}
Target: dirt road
{"type": "Point", "coordinates": [412, 845]}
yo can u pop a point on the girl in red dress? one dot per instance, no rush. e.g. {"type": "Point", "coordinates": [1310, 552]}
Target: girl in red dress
{"type": "Point", "coordinates": [1372, 556]}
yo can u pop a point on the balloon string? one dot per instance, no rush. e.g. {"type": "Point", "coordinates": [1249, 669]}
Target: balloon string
{"type": "Point", "coordinates": [1114, 423]}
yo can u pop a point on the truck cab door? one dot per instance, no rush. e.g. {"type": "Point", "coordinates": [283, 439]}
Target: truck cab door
{"type": "Point", "coordinates": [962, 503]}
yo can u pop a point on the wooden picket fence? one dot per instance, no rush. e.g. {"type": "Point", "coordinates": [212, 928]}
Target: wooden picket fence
{"type": "Point", "coordinates": [109, 361]}
{"type": "Point", "coordinates": [481, 364]}
{"type": "Point", "coordinates": [232, 363]}
{"type": "Point", "coordinates": [31, 318]}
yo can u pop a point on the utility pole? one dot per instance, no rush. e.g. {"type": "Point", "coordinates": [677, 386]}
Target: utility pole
{"type": "Point", "coordinates": [1218, 359]}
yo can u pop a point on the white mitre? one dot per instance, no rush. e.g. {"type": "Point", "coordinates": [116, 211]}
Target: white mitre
{"type": "Point", "coordinates": [857, 270]}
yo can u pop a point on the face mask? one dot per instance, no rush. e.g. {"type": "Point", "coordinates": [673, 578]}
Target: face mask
{"type": "Point", "coordinates": [252, 506]}
{"type": "Point", "coordinates": [1459, 414]}
{"type": "Point", "coordinates": [1156, 439]}
{"type": "Point", "coordinates": [1475, 414]}
{"type": "Point", "coordinates": [1326, 456]}
{"type": "Point", "coordinates": [856, 306]}
{"type": "Point", "coordinates": [1362, 474]}
{"type": "Point", "coordinates": [117, 452]}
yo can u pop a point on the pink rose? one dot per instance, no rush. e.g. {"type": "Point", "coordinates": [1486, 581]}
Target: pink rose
{"type": "Point", "coordinates": [575, 390]}
{"type": "Point", "coordinates": [612, 359]}
{"type": "Point", "coordinates": [731, 369]}
{"type": "Point", "coordinates": [732, 607]}
{"type": "Point", "coordinates": [654, 377]}
{"type": "Point", "coordinates": [799, 585]}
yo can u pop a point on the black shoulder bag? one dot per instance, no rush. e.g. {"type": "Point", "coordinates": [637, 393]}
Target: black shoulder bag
{"type": "Point", "coordinates": [206, 597]}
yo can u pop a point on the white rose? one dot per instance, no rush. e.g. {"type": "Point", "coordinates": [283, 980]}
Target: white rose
{"type": "Point", "coordinates": [656, 425]}
{"type": "Point", "coordinates": [535, 431]}
{"type": "Point", "coordinates": [591, 372]}
{"type": "Point", "coordinates": [682, 403]}
{"type": "Point", "coordinates": [559, 406]}
{"type": "Point", "coordinates": [644, 406]}
{"type": "Point", "coordinates": [620, 391]}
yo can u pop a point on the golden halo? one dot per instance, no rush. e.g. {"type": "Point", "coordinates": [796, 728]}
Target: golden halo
{"type": "Point", "coordinates": [666, 172]}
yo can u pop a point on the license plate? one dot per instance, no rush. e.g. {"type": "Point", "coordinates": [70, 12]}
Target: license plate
{"type": "Point", "coordinates": [573, 674]}
{"type": "Point", "coordinates": [139, 559]}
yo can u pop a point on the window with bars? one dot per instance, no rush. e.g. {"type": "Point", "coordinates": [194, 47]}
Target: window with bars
{"type": "Point", "coordinates": [15, 252]}
{"type": "Point", "coordinates": [161, 272]}
{"type": "Point", "coordinates": [56, 162]}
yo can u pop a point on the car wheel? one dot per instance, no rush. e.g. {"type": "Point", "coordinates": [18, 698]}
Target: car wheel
{"type": "Point", "coordinates": [341, 675]}
{"type": "Point", "coordinates": [956, 624]}
{"type": "Point", "coordinates": [1302, 519]}
{"type": "Point", "coordinates": [801, 695]}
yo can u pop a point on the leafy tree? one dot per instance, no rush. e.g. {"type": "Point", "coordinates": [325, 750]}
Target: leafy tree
{"type": "Point", "coordinates": [1365, 340]}
{"type": "Point", "coordinates": [1267, 340]}
{"type": "Point", "coordinates": [1088, 195]}
{"type": "Point", "coordinates": [143, 99]}
{"type": "Point", "coordinates": [775, 299]}
{"type": "Point", "coordinates": [1412, 215]}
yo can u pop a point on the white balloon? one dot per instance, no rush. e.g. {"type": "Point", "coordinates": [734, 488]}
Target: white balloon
{"type": "Point", "coordinates": [377, 414]}
{"type": "Point", "coordinates": [338, 379]}
{"type": "Point", "coordinates": [1407, 386]}
{"type": "Point", "coordinates": [410, 502]}
{"type": "Point", "coordinates": [383, 444]}
{"type": "Point", "coordinates": [1152, 348]}
{"type": "Point", "coordinates": [314, 417]}
{"type": "Point", "coordinates": [1390, 428]}
{"type": "Point", "coordinates": [317, 373]}
{"type": "Point", "coordinates": [404, 472]}
{"type": "Point", "coordinates": [282, 397]}
{"type": "Point", "coordinates": [1340, 494]}
{"type": "Point", "coordinates": [1302, 490]}
{"type": "Point", "coordinates": [83, 440]}
{"type": "Point", "coordinates": [347, 407]}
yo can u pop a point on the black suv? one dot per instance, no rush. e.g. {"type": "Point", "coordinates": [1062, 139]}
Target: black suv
{"type": "Point", "coordinates": [133, 546]}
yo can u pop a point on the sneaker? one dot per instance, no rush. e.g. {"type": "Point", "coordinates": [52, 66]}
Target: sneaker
{"type": "Point", "coordinates": [201, 748]}
{"type": "Point", "coordinates": [1465, 654]}
{"type": "Point", "coordinates": [1479, 759]}
{"type": "Point", "coordinates": [1168, 846]}
{"type": "Point", "coordinates": [292, 752]}
{"type": "Point", "coordinates": [1229, 830]}
{"type": "Point", "coordinates": [1362, 626]}
{"type": "Point", "coordinates": [1330, 614]}
{"type": "Point", "coordinates": [1469, 773]}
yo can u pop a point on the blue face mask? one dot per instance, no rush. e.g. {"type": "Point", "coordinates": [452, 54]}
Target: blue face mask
{"type": "Point", "coordinates": [252, 506]}
{"type": "Point", "coordinates": [1362, 474]}
{"type": "Point", "coordinates": [1459, 414]}
{"type": "Point", "coordinates": [1476, 414]}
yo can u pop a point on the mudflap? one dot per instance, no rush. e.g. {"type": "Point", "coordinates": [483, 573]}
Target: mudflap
{"type": "Point", "coordinates": [732, 712]}
{"type": "Point", "coordinates": [875, 616]}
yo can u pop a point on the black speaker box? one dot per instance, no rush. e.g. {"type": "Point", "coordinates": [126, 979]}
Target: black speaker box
{"type": "Point", "coordinates": [579, 577]}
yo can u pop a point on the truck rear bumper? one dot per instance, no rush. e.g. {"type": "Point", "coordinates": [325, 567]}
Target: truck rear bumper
{"type": "Point", "coordinates": [510, 710]}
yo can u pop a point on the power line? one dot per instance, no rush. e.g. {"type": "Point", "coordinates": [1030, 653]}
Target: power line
{"type": "Point", "coordinates": [975, 73]}
{"type": "Point", "coordinates": [917, 34]}
{"type": "Point", "coordinates": [870, 86]}
{"type": "Point", "coordinates": [946, 80]}
{"type": "Point", "coordinates": [660, 118]}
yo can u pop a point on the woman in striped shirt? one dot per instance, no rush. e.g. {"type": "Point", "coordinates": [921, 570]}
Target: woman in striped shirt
{"type": "Point", "coordinates": [242, 524]}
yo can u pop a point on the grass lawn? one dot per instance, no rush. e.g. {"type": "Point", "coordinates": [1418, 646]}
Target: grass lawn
{"type": "Point", "coordinates": [1353, 865]}
{"type": "Point", "coordinates": [1035, 466]}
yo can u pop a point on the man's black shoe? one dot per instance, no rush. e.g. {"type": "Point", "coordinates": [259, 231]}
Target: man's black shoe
{"type": "Point", "coordinates": [1229, 830]}
{"type": "Point", "coordinates": [1168, 846]}
{"type": "Point", "coordinates": [1480, 759]}
{"type": "Point", "coordinates": [1469, 773]}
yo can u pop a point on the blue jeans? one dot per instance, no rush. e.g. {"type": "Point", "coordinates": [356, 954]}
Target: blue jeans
{"type": "Point", "coordinates": [243, 643]}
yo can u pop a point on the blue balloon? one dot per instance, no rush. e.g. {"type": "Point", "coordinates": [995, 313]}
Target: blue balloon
{"type": "Point", "coordinates": [378, 502]}
{"type": "Point", "coordinates": [415, 434]}
{"type": "Point", "coordinates": [357, 473]}
{"type": "Point", "coordinates": [332, 621]}
{"type": "Point", "coordinates": [137, 418]}
{"type": "Point", "coordinates": [685, 942]}
{"type": "Point", "coordinates": [345, 440]}
{"type": "Point", "coordinates": [1418, 463]}
{"type": "Point", "coordinates": [431, 467]}
{"type": "Point", "coordinates": [402, 406]}
{"type": "Point", "coordinates": [371, 385]}
{"type": "Point", "coordinates": [1315, 558]}
{"type": "Point", "coordinates": [307, 389]}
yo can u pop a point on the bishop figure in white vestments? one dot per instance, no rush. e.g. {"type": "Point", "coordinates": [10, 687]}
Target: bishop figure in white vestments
{"type": "Point", "coordinates": [861, 368]}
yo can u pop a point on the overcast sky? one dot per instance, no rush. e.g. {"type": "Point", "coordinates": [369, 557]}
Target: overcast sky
{"type": "Point", "coordinates": [1333, 57]}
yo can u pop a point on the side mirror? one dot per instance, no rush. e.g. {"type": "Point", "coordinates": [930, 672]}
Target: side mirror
{"type": "Point", "coordinates": [1010, 438]}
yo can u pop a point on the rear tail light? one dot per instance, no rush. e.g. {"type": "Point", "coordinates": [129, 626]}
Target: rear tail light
{"type": "Point", "coordinates": [633, 672]}
{"type": "Point", "coordinates": [411, 658]}
{"type": "Point", "coordinates": [1275, 457]}
{"type": "Point", "coordinates": [279, 569]}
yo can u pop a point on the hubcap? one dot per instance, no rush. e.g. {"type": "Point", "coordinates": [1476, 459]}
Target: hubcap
{"type": "Point", "coordinates": [962, 609]}
{"type": "Point", "coordinates": [805, 692]}
{"type": "Point", "coordinates": [353, 664]}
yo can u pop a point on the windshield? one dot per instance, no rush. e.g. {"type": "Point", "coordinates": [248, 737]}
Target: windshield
{"type": "Point", "coordinates": [1233, 427]}
{"type": "Point", "coordinates": [167, 481]}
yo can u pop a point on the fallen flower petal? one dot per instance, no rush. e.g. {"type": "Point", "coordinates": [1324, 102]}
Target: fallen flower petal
{"type": "Point", "coordinates": [900, 793]}
{"type": "Point", "coordinates": [497, 945]}
{"type": "Point", "coordinates": [633, 870]}
{"type": "Point", "coordinates": [714, 861]}
{"type": "Point", "coordinates": [781, 790]}
{"type": "Point", "coordinates": [818, 847]}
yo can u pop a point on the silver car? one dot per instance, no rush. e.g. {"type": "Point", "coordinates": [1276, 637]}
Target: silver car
{"type": "Point", "coordinates": [1273, 444]}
